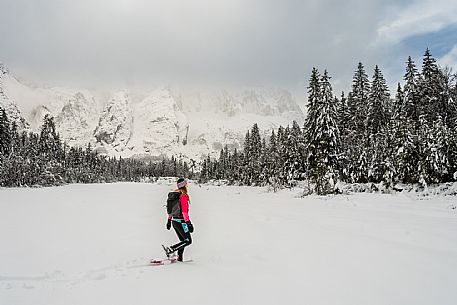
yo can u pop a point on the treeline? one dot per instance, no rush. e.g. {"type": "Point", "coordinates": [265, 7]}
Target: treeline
{"type": "Point", "coordinates": [366, 136]}
{"type": "Point", "coordinates": [28, 159]}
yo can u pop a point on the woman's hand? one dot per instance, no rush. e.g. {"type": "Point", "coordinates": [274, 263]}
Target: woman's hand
{"type": "Point", "coordinates": [190, 226]}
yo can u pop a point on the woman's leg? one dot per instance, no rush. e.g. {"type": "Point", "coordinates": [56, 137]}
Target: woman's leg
{"type": "Point", "coordinates": [184, 237]}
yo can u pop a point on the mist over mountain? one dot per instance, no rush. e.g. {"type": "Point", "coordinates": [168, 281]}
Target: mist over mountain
{"type": "Point", "coordinates": [166, 120]}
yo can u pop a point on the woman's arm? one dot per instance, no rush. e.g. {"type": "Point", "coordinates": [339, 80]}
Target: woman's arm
{"type": "Point", "coordinates": [184, 201]}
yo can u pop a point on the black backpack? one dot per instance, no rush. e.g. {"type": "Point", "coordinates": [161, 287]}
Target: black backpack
{"type": "Point", "coordinates": [173, 206]}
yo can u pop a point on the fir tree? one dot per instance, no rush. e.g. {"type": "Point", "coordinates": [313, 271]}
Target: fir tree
{"type": "Point", "coordinates": [296, 154]}
{"type": "Point", "coordinates": [314, 92]}
{"type": "Point", "coordinates": [5, 134]}
{"type": "Point", "coordinates": [356, 160]}
{"type": "Point", "coordinates": [272, 161]}
{"type": "Point", "coordinates": [254, 164]}
{"type": "Point", "coordinates": [324, 147]}
{"type": "Point", "coordinates": [432, 102]}
{"type": "Point", "coordinates": [377, 127]}
{"type": "Point", "coordinates": [411, 92]}
{"type": "Point", "coordinates": [378, 99]}
{"type": "Point", "coordinates": [402, 141]}
{"type": "Point", "coordinates": [433, 161]}
{"type": "Point", "coordinates": [49, 139]}
{"type": "Point", "coordinates": [358, 99]}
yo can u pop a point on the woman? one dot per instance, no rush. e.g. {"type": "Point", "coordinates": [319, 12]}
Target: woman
{"type": "Point", "coordinates": [179, 217]}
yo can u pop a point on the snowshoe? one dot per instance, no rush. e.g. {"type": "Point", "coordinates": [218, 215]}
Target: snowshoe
{"type": "Point", "coordinates": [168, 251]}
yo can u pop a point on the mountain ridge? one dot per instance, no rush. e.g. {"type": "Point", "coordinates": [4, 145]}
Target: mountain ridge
{"type": "Point", "coordinates": [166, 120]}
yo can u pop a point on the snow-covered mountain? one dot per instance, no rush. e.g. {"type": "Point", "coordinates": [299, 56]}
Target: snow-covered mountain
{"type": "Point", "coordinates": [8, 104]}
{"type": "Point", "coordinates": [165, 121]}
{"type": "Point", "coordinates": [78, 118]}
{"type": "Point", "coordinates": [115, 126]}
{"type": "Point", "coordinates": [160, 125]}
{"type": "Point", "coordinates": [75, 111]}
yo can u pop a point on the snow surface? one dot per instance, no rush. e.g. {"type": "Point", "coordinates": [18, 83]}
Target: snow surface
{"type": "Point", "coordinates": [89, 244]}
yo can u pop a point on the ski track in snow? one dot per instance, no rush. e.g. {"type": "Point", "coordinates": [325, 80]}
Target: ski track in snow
{"type": "Point", "coordinates": [91, 244]}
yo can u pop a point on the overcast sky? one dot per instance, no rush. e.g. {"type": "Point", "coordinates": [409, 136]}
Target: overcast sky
{"type": "Point", "coordinates": [250, 42]}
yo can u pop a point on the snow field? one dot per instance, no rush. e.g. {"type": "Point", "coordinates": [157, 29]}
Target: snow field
{"type": "Point", "coordinates": [90, 244]}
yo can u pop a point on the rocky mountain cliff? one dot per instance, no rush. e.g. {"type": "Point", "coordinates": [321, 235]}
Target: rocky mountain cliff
{"type": "Point", "coordinates": [8, 104]}
{"type": "Point", "coordinates": [165, 121]}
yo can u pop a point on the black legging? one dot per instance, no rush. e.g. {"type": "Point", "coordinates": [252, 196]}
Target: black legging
{"type": "Point", "coordinates": [183, 235]}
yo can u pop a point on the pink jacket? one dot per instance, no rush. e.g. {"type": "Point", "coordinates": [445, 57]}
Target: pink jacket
{"type": "Point", "coordinates": [184, 202]}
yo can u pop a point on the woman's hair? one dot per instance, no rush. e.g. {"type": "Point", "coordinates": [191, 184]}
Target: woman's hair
{"type": "Point", "coordinates": [182, 187]}
{"type": "Point", "coordinates": [182, 183]}
{"type": "Point", "coordinates": [183, 190]}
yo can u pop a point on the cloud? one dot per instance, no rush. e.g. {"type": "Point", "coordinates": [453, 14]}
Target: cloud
{"type": "Point", "coordinates": [419, 17]}
{"type": "Point", "coordinates": [251, 42]}
{"type": "Point", "coordinates": [450, 59]}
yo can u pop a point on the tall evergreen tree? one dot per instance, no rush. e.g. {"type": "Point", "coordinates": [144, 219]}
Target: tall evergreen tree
{"type": "Point", "coordinates": [272, 160]}
{"type": "Point", "coordinates": [357, 163]}
{"type": "Point", "coordinates": [324, 147]}
{"type": "Point", "coordinates": [432, 102]}
{"type": "Point", "coordinates": [314, 97]}
{"type": "Point", "coordinates": [49, 139]}
{"type": "Point", "coordinates": [255, 164]}
{"type": "Point", "coordinates": [433, 163]}
{"type": "Point", "coordinates": [378, 100]}
{"type": "Point", "coordinates": [433, 157]}
{"type": "Point", "coordinates": [411, 92]}
{"type": "Point", "coordinates": [358, 99]}
{"type": "Point", "coordinates": [5, 134]}
{"type": "Point", "coordinates": [377, 127]}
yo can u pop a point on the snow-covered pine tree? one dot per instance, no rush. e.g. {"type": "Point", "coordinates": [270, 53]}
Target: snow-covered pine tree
{"type": "Point", "coordinates": [343, 115]}
{"type": "Point", "coordinates": [407, 148]}
{"type": "Point", "coordinates": [411, 92]}
{"type": "Point", "coordinates": [449, 84]}
{"type": "Point", "coordinates": [205, 173]}
{"type": "Point", "coordinates": [309, 129]}
{"type": "Point", "coordinates": [281, 138]}
{"type": "Point", "coordinates": [224, 162]}
{"type": "Point", "coordinates": [432, 101]}
{"type": "Point", "coordinates": [15, 158]}
{"type": "Point", "coordinates": [358, 99]}
{"type": "Point", "coordinates": [433, 160]}
{"type": "Point", "coordinates": [344, 125]}
{"type": "Point", "coordinates": [356, 155]}
{"type": "Point", "coordinates": [5, 148]}
{"type": "Point", "coordinates": [398, 104]}
{"type": "Point", "coordinates": [5, 134]}
{"type": "Point", "coordinates": [15, 139]}
{"type": "Point", "coordinates": [234, 168]}
{"type": "Point", "coordinates": [255, 166]}
{"type": "Point", "coordinates": [324, 147]}
{"type": "Point", "coordinates": [246, 172]}
{"type": "Point", "coordinates": [286, 156]}
{"type": "Point", "coordinates": [402, 141]}
{"type": "Point", "coordinates": [49, 141]}
{"type": "Point", "coordinates": [377, 127]}
{"type": "Point", "coordinates": [296, 154]}
{"type": "Point", "coordinates": [314, 92]}
{"type": "Point", "coordinates": [377, 102]}
{"type": "Point", "coordinates": [433, 154]}
{"type": "Point", "coordinates": [272, 160]}
{"type": "Point", "coordinates": [263, 179]}
{"type": "Point", "coordinates": [237, 160]}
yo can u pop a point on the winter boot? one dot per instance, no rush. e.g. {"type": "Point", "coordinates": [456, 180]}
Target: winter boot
{"type": "Point", "coordinates": [168, 251]}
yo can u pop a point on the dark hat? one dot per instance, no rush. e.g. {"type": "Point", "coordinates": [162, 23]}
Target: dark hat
{"type": "Point", "coordinates": [181, 182]}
